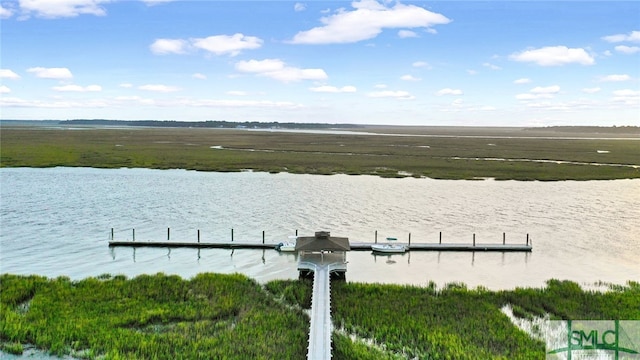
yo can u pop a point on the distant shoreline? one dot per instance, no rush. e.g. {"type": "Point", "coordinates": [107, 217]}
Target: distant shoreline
{"type": "Point", "coordinates": [603, 131]}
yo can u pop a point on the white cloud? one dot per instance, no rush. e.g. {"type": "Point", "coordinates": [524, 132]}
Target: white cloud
{"type": "Point", "coordinates": [403, 34]}
{"type": "Point", "coordinates": [126, 85]}
{"type": "Point", "coordinates": [529, 96]}
{"type": "Point", "coordinates": [633, 36]}
{"type": "Point", "coordinates": [8, 74]}
{"type": "Point", "coordinates": [158, 88]}
{"type": "Point", "coordinates": [491, 66]}
{"type": "Point", "coordinates": [554, 89]}
{"type": "Point", "coordinates": [277, 69]}
{"type": "Point", "coordinates": [471, 72]}
{"type": "Point", "coordinates": [237, 93]}
{"type": "Point", "coordinates": [409, 78]}
{"type": "Point", "coordinates": [401, 95]}
{"type": "Point", "coordinates": [58, 104]}
{"type": "Point", "coordinates": [238, 103]}
{"type": "Point", "coordinates": [299, 7]}
{"type": "Point", "coordinates": [169, 46]}
{"type": "Point", "coordinates": [627, 49]}
{"type": "Point", "coordinates": [62, 8]}
{"type": "Point", "coordinates": [5, 13]}
{"type": "Point", "coordinates": [225, 44]}
{"type": "Point", "coordinates": [627, 97]}
{"type": "Point", "coordinates": [4, 89]}
{"type": "Point", "coordinates": [51, 73]}
{"type": "Point", "coordinates": [260, 66]}
{"type": "Point", "coordinates": [134, 99]}
{"type": "Point", "coordinates": [554, 56]}
{"type": "Point", "coordinates": [367, 21]}
{"type": "Point", "coordinates": [449, 91]}
{"type": "Point", "coordinates": [199, 76]}
{"type": "Point", "coordinates": [77, 88]}
{"type": "Point", "coordinates": [591, 90]}
{"type": "Point", "coordinates": [231, 45]}
{"type": "Point", "coordinates": [522, 81]}
{"type": "Point", "coordinates": [380, 86]}
{"type": "Point", "coordinates": [421, 64]}
{"type": "Point", "coordinates": [615, 78]}
{"type": "Point", "coordinates": [540, 92]}
{"type": "Point", "coordinates": [333, 89]}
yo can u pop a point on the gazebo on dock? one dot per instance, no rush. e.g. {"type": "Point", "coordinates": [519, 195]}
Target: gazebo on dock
{"type": "Point", "coordinates": [322, 242]}
{"type": "Point", "coordinates": [322, 250]}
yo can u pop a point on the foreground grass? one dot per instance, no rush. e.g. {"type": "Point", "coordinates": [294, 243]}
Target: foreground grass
{"type": "Point", "coordinates": [151, 317]}
{"type": "Point", "coordinates": [386, 156]}
{"type": "Point", "coordinates": [458, 323]}
{"type": "Point", "coordinates": [232, 317]}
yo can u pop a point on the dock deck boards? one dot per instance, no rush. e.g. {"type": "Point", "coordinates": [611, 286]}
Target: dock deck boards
{"type": "Point", "coordinates": [355, 246]}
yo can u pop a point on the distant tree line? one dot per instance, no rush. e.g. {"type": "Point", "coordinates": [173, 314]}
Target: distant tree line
{"type": "Point", "coordinates": [207, 124]}
{"type": "Point", "coordinates": [591, 129]}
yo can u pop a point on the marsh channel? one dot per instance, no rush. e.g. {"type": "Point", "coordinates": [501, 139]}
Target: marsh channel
{"type": "Point", "coordinates": [57, 222]}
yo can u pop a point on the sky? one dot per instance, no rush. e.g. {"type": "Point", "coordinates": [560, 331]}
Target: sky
{"type": "Point", "coordinates": [432, 63]}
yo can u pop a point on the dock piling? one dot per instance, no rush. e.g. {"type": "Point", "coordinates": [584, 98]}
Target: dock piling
{"type": "Point", "coordinates": [198, 235]}
{"type": "Point", "coordinates": [409, 239]}
{"type": "Point", "coordinates": [133, 234]}
{"type": "Point", "coordinates": [527, 239]}
{"type": "Point", "coordinates": [504, 238]}
{"type": "Point", "coordinates": [474, 239]}
{"type": "Point", "coordinates": [112, 234]}
{"type": "Point", "coordinates": [168, 234]}
{"type": "Point", "coordinates": [231, 234]}
{"type": "Point", "coordinates": [440, 237]}
{"type": "Point", "coordinates": [376, 237]}
{"type": "Point", "coordinates": [263, 236]}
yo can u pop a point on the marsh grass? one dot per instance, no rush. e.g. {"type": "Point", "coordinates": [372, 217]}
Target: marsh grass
{"type": "Point", "coordinates": [455, 322]}
{"type": "Point", "coordinates": [232, 317]}
{"type": "Point", "coordinates": [151, 317]}
{"type": "Point", "coordinates": [460, 323]}
{"type": "Point", "coordinates": [385, 156]}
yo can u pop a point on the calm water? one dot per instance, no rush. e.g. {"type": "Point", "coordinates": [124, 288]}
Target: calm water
{"type": "Point", "coordinates": [57, 222]}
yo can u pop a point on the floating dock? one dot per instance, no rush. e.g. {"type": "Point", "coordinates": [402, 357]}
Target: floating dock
{"type": "Point", "coordinates": [355, 246]}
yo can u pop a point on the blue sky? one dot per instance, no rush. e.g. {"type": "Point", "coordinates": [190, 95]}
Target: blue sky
{"type": "Point", "coordinates": [469, 63]}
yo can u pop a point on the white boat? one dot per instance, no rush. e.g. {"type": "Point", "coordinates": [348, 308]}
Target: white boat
{"type": "Point", "coordinates": [389, 247]}
{"type": "Point", "coordinates": [287, 246]}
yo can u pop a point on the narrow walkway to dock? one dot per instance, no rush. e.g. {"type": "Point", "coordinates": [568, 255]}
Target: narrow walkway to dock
{"type": "Point", "coordinates": [320, 327]}
{"type": "Point", "coordinates": [322, 265]}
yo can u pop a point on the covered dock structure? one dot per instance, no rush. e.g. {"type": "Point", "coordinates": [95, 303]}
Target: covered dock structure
{"type": "Point", "coordinates": [322, 249]}
{"type": "Point", "coordinates": [321, 255]}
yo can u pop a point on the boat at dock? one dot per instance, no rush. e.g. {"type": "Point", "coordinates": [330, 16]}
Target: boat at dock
{"type": "Point", "coordinates": [288, 246]}
{"type": "Point", "coordinates": [389, 247]}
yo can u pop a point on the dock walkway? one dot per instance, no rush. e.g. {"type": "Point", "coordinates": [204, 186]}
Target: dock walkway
{"type": "Point", "coordinates": [320, 323]}
{"type": "Point", "coordinates": [355, 246]}
{"type": "Point", "coordinates": [320, 327]}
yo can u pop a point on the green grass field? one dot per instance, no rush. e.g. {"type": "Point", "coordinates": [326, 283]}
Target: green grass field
{"type": "Point", "coordinates": [233, 317]}
{"type": "Point", "coordinates": [475, 154]}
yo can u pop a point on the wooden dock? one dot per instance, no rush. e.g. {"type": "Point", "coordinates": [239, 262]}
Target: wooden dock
{"type": "Point", "coordinates": [355, 246]}
{"type": "Point", "coordinates": [451, 247]}
{"type": "Point", "coordinates": [195, 245]}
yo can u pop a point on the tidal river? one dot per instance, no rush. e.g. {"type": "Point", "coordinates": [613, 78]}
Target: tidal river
{"type": "Point", "coordinates": [57, 221]}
